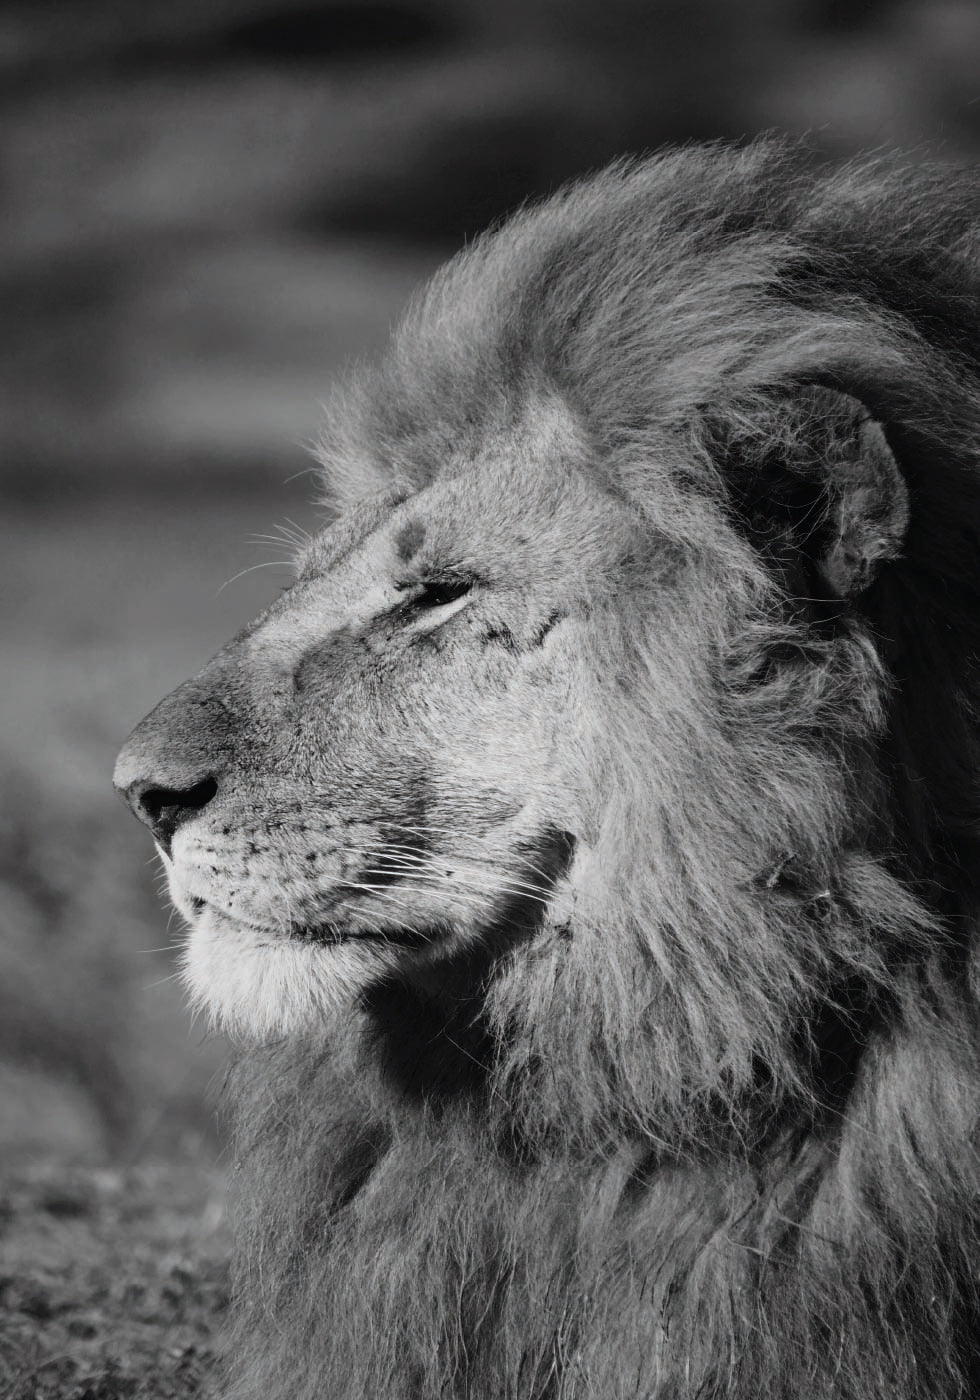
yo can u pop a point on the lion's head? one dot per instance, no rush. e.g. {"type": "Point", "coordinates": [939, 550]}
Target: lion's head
{"type": "Point", "coordinates": [386, 773]}
{"type": "Point", "coordinates": [606, 784]}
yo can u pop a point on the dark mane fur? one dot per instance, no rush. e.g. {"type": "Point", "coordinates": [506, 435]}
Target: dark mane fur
{"type": "Point", "coordinates": [726, 1145]}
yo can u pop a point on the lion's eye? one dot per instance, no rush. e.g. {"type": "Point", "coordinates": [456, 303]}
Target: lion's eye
{"type": "Point", "coordinates": [437, 592]}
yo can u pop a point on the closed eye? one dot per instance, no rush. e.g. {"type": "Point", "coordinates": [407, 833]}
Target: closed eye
{"type": "Point", "coordinates": [438, 592]}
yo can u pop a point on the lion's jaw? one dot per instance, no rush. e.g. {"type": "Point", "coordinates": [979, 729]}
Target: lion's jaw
{"type": "Point", "coordinates": [392, 782]}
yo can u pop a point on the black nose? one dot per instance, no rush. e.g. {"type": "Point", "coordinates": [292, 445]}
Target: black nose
{"type": "Point", "coordinates": [165, 809]}
{"type": "Point", "coordinates": [171, 766]}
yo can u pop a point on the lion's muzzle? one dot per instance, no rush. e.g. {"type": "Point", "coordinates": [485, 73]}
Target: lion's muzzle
{"type": "Point", "coordinates": [170, 766]}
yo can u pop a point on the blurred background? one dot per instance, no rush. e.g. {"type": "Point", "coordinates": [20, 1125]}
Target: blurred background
{"type": "Point", "coordinates": [208, 208]}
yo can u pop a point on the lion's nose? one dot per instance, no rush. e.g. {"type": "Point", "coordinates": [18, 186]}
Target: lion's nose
{"type": "Point", "coordinates": [172, 764]}
{"type": "Point", "coordinates": [164, 809]}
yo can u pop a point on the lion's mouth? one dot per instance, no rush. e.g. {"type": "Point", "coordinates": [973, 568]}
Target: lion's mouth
{"type": "Point", "coordinates": [331, 934]}
{"type": "Point", "coordinates": [324, 933]}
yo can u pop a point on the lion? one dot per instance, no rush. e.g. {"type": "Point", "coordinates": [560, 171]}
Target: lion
{"type": "Point", "coordinates": [583, 850]}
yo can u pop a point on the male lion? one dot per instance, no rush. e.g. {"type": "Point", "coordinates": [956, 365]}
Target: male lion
{"type": "Point", "coordinates": [585, 846]}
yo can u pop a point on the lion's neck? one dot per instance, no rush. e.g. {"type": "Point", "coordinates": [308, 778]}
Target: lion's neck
{"type": "Point", "coordinates": [389, 1252]}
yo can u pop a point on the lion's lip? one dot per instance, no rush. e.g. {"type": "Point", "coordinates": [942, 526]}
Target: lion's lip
{"type": "Point", "coordinates": [324, 932]}
{"type": "Point", "coordinates": [327, 934]}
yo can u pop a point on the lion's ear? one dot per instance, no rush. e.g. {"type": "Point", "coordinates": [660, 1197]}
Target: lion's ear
{"type": "Point", "coordinates": [818, 480]}
{"type": "Point", "coordinates": [868, 504]}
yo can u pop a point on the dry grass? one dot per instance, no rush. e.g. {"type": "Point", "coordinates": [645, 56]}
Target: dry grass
{"type": "Point", "coordinates": [111, 1282]}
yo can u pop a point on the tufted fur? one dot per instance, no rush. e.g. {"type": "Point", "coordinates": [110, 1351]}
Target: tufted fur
{"type": "Point", "coordinates": [707, 1124]}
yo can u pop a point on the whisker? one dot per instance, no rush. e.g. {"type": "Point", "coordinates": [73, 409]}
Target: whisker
{"type": "Point", "coordinates": [292, 533]}
{"type": "Point", "coordinates": [409, 863]}
{"type": "Point", "coordinates": [304, 471]}
{"type": "Point", "coordinates": [285, 920]}
{"type": "Point", "coordinates": [171, 977]}
{"type": "Point", "coordinates": [269, 564]}
{"type": "Point", "coordinates": [422, 831]}
{"type": "Point", "coordinates": [421, 852]}
{"type": "Point", "coordinates": [382, 891]}
{"type": "Point", "coordinates": [430, 865]}
{"type": "Point", "coordinates": [263, 541]}
{"type": "Point", "coordinates": [377, 928]}
{"type": "Point", "coordinates": [452, 883]}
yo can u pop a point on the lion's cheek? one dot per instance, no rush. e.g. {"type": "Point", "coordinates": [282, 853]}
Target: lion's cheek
{"type": "Point", "coordinates": [259, 987]}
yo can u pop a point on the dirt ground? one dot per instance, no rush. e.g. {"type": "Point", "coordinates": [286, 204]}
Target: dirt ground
{"type": "Point", "coordinates": [112, 1281]}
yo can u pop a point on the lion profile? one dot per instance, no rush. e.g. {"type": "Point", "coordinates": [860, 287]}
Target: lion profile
{"type": "Point", "coordinates": [585, 847]}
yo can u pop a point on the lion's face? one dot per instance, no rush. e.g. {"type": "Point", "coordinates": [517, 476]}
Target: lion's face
{"type": "Point", "coordinates": [377, 770]}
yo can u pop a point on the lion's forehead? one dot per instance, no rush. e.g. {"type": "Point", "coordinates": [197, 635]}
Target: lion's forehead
{"type": "Point", "coordinates": [524, 510]}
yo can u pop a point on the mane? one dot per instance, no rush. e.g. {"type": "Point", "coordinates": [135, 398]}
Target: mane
{"type": "Point", "coordinates": [721, 1134]}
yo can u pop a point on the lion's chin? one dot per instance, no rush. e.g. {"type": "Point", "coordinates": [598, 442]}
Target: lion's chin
{"type": "Point", "coordinates": [263, 985]}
